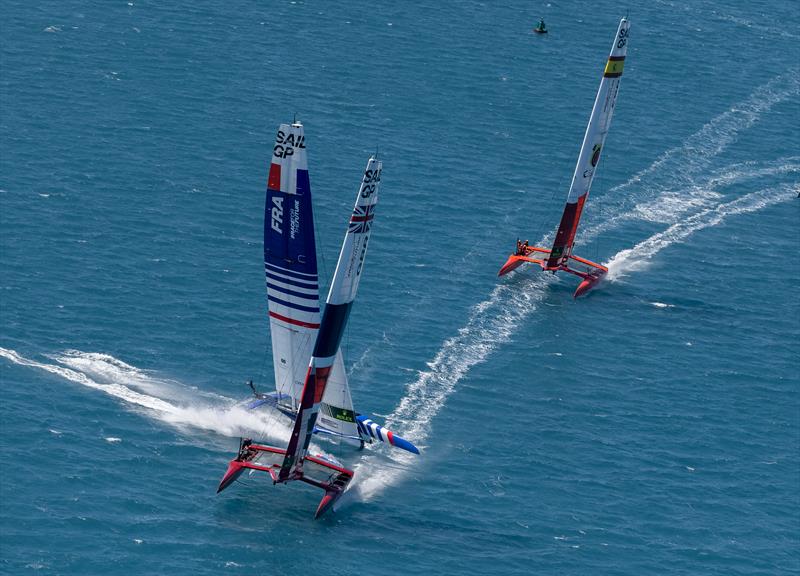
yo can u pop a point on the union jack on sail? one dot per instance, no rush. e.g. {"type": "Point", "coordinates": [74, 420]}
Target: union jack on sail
{"type": "Point", "coordinates": [361, 220]}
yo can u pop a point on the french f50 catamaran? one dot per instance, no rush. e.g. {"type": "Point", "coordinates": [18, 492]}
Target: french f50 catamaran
{"type": "Point", "coordinates": [311, 383]}
{"type": "Point", "coordinates": [560, 256]}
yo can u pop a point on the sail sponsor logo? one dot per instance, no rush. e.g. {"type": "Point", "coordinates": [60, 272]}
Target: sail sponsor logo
{"type": "Point", "coordinates": [277, 214]}
{"type": "Point", "coordinates": [361, 256]}
{"type": "Point", "coordinates": [623, 37]}
{"type": "Point", "coordinates": [596, 154]}
{"type": "Point", "coordinates": [327, 422]}
{"type": "Point", "coordinates": [342, 414]}
{"type": "Point", "coordinates": [369, 182]}
{"type": "Point", "coordinates": [610, 101]}
{"type": "Point", "coordinates": [359, 247]}
{"type": "Point", "coordinates": [285, 145]}
{"type": "Point", "coordinates": [294, 220]}
{"type": "Point", "coordinates": [593, 160]}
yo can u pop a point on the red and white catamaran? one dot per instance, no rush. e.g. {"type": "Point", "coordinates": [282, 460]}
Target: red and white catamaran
{"type": "Point", "coordinates": [310, 380]}
{"type": "Point", "coordinates": [560, 256]}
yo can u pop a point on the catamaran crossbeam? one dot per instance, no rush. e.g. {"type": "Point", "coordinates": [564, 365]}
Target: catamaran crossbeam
{"type": "Point", "coordinates": [590, 275]}
{"type": "Point", "coordinates": [334, 483]}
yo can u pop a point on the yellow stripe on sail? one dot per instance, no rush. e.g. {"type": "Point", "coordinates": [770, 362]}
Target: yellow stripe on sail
{"type": "Point", "coordinates": [614, 67]}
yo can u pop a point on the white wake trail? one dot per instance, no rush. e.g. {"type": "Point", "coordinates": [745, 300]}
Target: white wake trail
{"type": "Point", "coordinates": [163, 400]}
{"type": "Point", "coordinates": [491, 323]}
{"type": "Point", "coordinates": [675, 185]}
{"type": "Point", "coordinates": [116, 390]}
{"type": "Point", "coordinates": [638, 257]}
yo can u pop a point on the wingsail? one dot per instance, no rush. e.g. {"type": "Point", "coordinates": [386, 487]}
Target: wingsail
{"type": "Point", "coordinates": [559, 256]}
{"type": "Point", "coordinates": [294, 463]}
{"type": "Point", "coordinates": [290, 263]}
{"type": "Point", "coordinates": [334, 319]}
{"type": "Point", "coordinates": [323, 402]}
{"type": "Point", "coordinates": [336, 413]}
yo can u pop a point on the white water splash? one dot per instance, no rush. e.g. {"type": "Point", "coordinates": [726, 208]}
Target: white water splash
{"type": "Point", "coordinates": [116, 390]}
{"type": "Point", "coordinates": [104, 367]}
{"type": "Point", "coordinates": [114, 377]}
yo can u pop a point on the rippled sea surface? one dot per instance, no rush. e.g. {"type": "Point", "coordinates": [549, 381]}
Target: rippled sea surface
{"type": "Point", "coordinates": [650, 428]}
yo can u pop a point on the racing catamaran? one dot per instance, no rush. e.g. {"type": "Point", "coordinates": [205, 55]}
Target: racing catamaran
{"type": "Point", "coordinates": [290, 264]}
{"type": "Point", "coordinates": [311, 384]}
{"type": "Point", "coordinates": [560, 256]}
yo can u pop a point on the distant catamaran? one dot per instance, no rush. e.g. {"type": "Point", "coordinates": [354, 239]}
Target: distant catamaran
{"type": "Point", "coordinates": [560, 256]}
{"type": "Point", "coordinates": [310, 380]}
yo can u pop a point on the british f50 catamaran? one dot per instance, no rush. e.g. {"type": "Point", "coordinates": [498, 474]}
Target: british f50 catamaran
{"type": "Point", "coordinates": [560, 256]}
{"type": "Point", "coordinates": [310, 380]}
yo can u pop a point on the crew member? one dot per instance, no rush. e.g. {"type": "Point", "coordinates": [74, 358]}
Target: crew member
{"type": "Point", "coordinates": [244, 449]}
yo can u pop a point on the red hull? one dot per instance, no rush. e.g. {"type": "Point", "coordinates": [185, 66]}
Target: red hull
{"type": "Point", "coordinates": [590, 274]}
{"type": "Point", "coordinates": [327, 502]}
{"type": "Point", "coordinates": [235, 469]}
{"type": "Point", "coordinates": [586, 285]}
{"type": "Point", "coordinates": [512, 263]}
{"type": "Point", "coordinates": [334, 485]}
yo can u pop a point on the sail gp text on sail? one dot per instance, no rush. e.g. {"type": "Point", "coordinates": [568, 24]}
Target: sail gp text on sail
{"type": "Point", "coordinates": [285, 145]}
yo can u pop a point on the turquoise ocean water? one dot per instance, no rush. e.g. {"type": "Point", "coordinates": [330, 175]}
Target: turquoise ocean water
{"type": "Point", "coordinates": [650, 428]}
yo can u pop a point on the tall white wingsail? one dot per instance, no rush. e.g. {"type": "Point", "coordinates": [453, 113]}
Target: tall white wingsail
{"type": "Point", "coordinates": [334, 319]}
{"type": "Point", "coordinates": [290, 263]}
{"type": "Point", "coordinates": [560, 256]}
{"type": "Point", "coordinates": [591, 148]}
{"type": "Point", "coordinates": [325, 404]}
